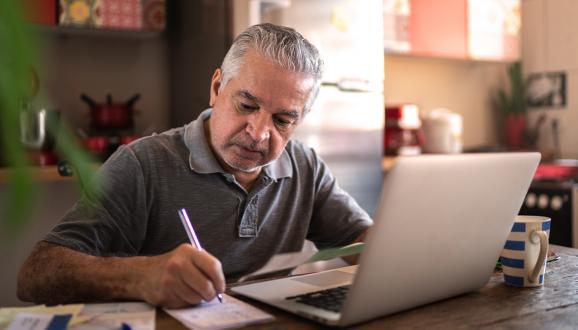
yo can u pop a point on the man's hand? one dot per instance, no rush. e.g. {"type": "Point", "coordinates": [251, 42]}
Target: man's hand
{"type": "Point", "coordinates": [182, 277]}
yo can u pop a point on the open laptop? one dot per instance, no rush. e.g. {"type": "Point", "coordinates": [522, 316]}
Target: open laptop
{"type": "Point", "coordinates": [441, 224]}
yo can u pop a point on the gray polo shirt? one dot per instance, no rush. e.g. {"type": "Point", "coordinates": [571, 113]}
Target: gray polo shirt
{"type": "Point", "coordinates": [146, 182]}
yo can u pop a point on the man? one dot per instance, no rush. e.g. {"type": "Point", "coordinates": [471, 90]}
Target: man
{"type": "Point", "coordinates": [250, 191]}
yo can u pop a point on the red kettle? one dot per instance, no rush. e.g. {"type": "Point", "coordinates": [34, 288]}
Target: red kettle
{"type": "Point", "coordinates": [111, 115]}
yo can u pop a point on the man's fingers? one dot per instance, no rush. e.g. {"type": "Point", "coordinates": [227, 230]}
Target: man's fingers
{"type": "Point", "coordinates": [181, 280]}
{"type": "Point", "coordinates": [197, 282]}
{"type": "Point", "coordinates": [187, 276]}
{"type": "Point", "coordinates": [200, 271]}
{"type": "Point", "coordinates": [175, 301]}
{"type": "Point", "coordinates": [211, 268]}
{"type": "Point", "coordinates": [187, 295]}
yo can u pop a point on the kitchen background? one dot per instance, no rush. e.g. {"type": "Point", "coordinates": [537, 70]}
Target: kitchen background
{"type": "Point", "coordinates": [436, 65]}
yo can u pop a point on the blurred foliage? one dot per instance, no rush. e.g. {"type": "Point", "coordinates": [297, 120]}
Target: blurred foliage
{"type": "Point", "coordinates": [513, 102]}
{"type": "Point", "coordinates": [17, 45]}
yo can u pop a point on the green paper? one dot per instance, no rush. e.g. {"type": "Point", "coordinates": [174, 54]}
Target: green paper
{"type": "Point", "coordinates": [333, 253]}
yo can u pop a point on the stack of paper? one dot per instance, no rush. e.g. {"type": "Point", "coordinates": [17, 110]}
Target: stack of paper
{"type": "Point", "coordinates": [232, 313]}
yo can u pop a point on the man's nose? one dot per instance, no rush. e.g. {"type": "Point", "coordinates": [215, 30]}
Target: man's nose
{"type": "Point", "coordinates": [258, 126]}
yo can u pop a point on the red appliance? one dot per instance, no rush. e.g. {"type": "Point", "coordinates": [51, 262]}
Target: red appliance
{"type": "Point", "coordinates": [402, 136]}
{"type": "Point", "coordinates": [111, 125]}
{"type": "Point", "coordinates": [558, 171]}
{"type": "Point", "coordinates": [111, 115]}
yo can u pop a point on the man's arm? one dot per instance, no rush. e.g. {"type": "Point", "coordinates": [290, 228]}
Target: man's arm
{"type": "Point", "coordinates": [54, 274]}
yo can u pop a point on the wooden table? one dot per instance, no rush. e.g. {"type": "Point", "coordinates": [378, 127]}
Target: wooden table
{"type": "Point", "coordinates": [553, 306]}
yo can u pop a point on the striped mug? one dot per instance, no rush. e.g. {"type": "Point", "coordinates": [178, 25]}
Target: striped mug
{"type": "Point", "coordinates": [524, 255]}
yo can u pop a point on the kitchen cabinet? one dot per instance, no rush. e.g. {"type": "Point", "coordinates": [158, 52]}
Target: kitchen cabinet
{"type": "Point", "coordinates": [437, 28]}
{"type": "Point", "coordinates": [494, 29]}
{"type": "Point", "coordinates": [461, 29]}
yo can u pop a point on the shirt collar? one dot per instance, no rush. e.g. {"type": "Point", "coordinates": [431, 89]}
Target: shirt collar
{"type": "Point", "coordinates": [203, 161]}
{"type": "Point", "coordinates": [201, 158]}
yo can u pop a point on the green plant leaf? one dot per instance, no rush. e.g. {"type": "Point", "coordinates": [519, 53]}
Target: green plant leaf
{"type": "Point", "coordinates": [15, 64]}
{"type": "Point", "coordinates": [16, 49]}
{"type": "Point", "coordinates": [515, 100]}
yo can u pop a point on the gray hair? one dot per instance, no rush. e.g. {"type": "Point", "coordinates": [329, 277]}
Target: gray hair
{"type": "Point", "coordinates": [283, 45]}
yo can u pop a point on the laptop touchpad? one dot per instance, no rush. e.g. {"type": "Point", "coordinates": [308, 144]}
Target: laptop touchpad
{"type": "Point", "coordinates": [332, 278]}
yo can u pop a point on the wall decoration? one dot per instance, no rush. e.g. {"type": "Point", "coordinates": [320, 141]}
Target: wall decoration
{"type": "Point", "coordinates": [547, 89]}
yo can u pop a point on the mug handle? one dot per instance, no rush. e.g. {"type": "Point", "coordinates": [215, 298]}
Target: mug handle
{"type": "Point", "coordinates": [542, 237]}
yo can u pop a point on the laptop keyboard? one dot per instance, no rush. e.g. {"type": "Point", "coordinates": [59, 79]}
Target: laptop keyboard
{"type": "Point", "coordinates": [329, 299]}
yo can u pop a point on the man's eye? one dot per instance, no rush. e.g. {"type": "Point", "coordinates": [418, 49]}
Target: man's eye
{"type": "Point", "coordinates": [282, 122]}
{"type": "Point", "coordinates": [247, 107]}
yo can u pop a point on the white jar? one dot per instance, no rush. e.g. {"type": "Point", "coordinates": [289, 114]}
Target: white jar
{"type": "Point", "coordinates": [442, 130]}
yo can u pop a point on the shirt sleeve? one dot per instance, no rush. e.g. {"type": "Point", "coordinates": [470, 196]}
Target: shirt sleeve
{"type": "Point", "coordinates": [337, 218]}
{"type": "Point", "coordinates": [113, 222]}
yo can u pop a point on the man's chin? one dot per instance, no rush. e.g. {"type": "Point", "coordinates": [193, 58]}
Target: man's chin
{"type": "Point", "coordinates": [247, 169]}
{"type": "Point", "coordinates": [244, 167]}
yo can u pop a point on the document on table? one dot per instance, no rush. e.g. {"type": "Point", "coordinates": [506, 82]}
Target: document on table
{"type": "Point", "coordinates": [28, 321]}
{"type": "Point", "coordinates": [25, 317]}
{"type": "Point", "coordinates": [288, 261]}
{"type": "Point", "coordinates": [232, 313]}
{"type": "Point", "coordinates": [137, 315]}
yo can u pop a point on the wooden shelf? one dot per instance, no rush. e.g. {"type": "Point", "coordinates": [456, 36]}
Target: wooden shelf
{"type": "Point", "coordinates": [72, 31]}
{"type": "Point", "coordinates": [38, 173]}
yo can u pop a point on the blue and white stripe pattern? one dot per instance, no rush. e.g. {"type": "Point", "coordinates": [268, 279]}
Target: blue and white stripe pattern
{"type": "Point", "coordinates": [516, 260]}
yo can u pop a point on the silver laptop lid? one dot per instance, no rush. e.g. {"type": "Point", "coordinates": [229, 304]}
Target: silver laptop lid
{"type": "Point", "coordinates": [439, 230]}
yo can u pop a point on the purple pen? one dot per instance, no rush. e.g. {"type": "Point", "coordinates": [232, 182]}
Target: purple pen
{"type": "Point", "coordinates": [193, 237]}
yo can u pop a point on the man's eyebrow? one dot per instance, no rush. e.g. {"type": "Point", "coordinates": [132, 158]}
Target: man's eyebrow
{"type": "Point", "coordinates": [247, 95]}
{"type": "Point", "coordinates": [291, 113]}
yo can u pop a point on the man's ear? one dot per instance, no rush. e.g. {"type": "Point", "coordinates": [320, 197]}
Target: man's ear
{"type": "Point", "coordinates": [215, 85]}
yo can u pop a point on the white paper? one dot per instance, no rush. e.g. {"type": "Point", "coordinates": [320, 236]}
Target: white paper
{"type": "Point", "coordinates": [138, 315]}
{"type": "Point", "coordinates": [278, 262]}
{"type": "Point", "coordinates": [288, 261]}
{"type": "Point", "coordinates": [29, 321]}
{"type": "Point", "coordinates": [232, 313]}
{"type": "Point", "coordinates": [8, 314]}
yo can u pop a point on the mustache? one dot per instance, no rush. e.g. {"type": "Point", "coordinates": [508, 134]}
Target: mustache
{"type": "Point", "coordinates": [248, 143]}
